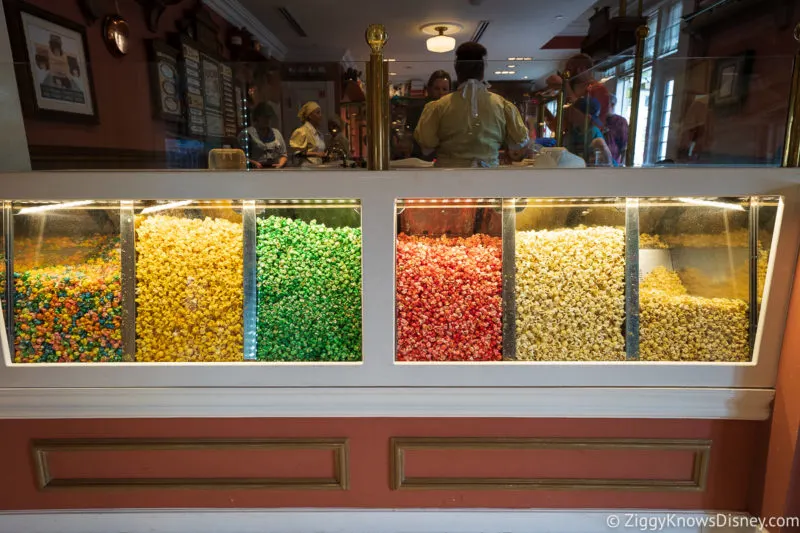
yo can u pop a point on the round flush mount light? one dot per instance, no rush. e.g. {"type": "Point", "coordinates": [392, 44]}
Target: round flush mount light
{"type": "Point", "coordinates": [441, 41]}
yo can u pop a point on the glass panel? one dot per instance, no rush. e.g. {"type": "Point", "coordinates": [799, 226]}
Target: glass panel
{"type": "Point", "coordinates": [308, 276]}
{"type": "Point", "coordinates": [189, 274]}
{"type": "Point", "coordinates": [449, 280]}
{"type": "Point", "coordinates": [767, 218]}
{"type": "Point", "coordinates": [570, 279]}
{"type": "Point", "coordinates": [695, 279]}
{"type": "Point", "coordinates": [188, 110]}
{"type": "Point", "coordinates": [67, 282]}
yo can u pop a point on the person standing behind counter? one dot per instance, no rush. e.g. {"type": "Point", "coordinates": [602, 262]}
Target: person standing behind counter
{"type": "Point", "coordinates": [265, 145]}
{"type": "Point", "coordinates": [439, 84]}
{"type": "Point", "coordinates": [306, 141]}
{"type": "Point", "coordinates": [467, 127]}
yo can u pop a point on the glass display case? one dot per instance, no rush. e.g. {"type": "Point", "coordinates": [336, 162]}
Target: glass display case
{"type": "Point", "coordinates": [211, 281]}
{"type": "Point", "coordinates": [581, 279]}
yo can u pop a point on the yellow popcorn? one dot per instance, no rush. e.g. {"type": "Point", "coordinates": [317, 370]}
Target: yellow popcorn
{"type": "Point", "coordinates": [675, 326]}
{"type": "Point", "coordinates": [570, 294]}
{"type": "Point", "coordinates": [189, 275]}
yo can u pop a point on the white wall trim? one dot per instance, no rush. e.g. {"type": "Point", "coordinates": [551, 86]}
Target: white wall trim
{"type": "Point", "coordinates": [371, 521]}
{"type": "Point", "coordinates": [512, 402]}
{"type": "Point", "coordinates": [236, 14]}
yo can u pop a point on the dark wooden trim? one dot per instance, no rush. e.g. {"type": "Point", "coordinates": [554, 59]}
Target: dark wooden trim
{"type": "Point", "coordinates": [94, 158]}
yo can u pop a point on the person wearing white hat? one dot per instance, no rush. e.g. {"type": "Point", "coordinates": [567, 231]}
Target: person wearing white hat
{"type": "Point", "coordinates": [307, 141]}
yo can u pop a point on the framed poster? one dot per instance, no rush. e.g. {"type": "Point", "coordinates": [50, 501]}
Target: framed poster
{"type": "Point", "coordinates": [53, 68]}
{"type": "Point", "coordinates": [165, 81]}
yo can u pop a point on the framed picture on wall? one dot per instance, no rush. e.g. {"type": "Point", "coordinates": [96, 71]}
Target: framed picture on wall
{"type": "Point", "coordinates": [52, 66]}
{"type": "Point", "coordinates": [731, 80]}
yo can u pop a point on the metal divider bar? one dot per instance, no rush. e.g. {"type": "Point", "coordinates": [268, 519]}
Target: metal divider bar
{"type": "Point", "coordinates": [509, 279]}
{"type": "Point", "coordinates": [753, 278]}
{"type": "Point", "coordinates": [127, 230]}
{"type": "Point", "coordinates": [250, 290]}
{"type": "Point", "coordinates": [8, 242]}
{"type": "Point", "coordinates": [632, 279]}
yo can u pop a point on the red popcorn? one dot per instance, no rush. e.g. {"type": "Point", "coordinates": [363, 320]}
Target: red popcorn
{"type": "Point", "coordinates": [449, 298]}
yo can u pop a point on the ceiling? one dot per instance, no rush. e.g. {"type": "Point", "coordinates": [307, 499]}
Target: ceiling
{"type": "Point", "coordinates": [517, 28]}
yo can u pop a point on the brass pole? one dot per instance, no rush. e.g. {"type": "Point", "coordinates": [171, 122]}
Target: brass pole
{"type": "Point", "coordinates": [623, 8]}
{"type": "Point", "coordinates": [562, 101]}
{"type": "Point", "coordinates": [377, 100]}
{"type": "Point", "coordinates": [638, 66]}
{"type": "Point", "coordinates": [791, 145]}
{"type": "Point", "coordinates": [541, 118]}
{"type": "Point", "coordinates": [641, 8]}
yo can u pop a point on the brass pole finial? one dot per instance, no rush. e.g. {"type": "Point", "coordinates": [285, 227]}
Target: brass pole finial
{"type": "Point", "coordinates": [377, 100]}
{"type": "Point", "coordinates": [376, 37]}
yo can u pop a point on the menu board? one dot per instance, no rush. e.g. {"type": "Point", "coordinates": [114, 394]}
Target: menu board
{"type": "Point", "coordinates": [228, 102]}
{"type": "Point", "coordinates": [195, 103]}
{"type": "Point", "coordinates": [212, 96]}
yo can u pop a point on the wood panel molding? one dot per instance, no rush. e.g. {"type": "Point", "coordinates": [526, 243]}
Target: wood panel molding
{"type": "Point", "coordinates": [43, 450]}
{"type": "Point", "coordinates": [94, 158]}
{"type": "Point", "coordinates": [697, 478]}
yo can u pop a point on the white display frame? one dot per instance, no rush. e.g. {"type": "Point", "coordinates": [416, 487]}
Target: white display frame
{"type": "Point", "coordinates": [377, 192]}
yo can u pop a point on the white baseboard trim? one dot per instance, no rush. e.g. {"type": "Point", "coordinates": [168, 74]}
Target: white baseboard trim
{"type": "Point", "coordinates": [512, 402]}
{"type": "Point", "coordinates": [373, 521]}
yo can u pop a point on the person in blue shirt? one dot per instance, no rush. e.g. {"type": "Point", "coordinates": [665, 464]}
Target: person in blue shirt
{"type": "Point", "coordinates": [584, 134]}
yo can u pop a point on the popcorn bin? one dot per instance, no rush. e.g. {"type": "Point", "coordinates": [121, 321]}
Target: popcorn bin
{"type": "Point", "coordinates": [449, 280]}
{"type": "Point", "coordinates": [189, 275]}
{"type": "Point", "coordinates": [569, 279]}
{"type": "Point", "coordinates": [703, 265]}
{"type": "Point", "coordinates": [307, 264]}
{"type": "Point", "coordinates": [62, 282]}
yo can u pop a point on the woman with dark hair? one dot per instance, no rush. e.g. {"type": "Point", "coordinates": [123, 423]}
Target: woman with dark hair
{"type": "Point", "coordinates": [467, 127]}
{"type": "Point", "coordinates": [263, 144]}
{"type": "Point", "coordinates": [439, 84]}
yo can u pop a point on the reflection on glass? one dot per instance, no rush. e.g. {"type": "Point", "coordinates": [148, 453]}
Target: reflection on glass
{"type": "Point", "coordinates": [67, 289]}
{"type": "Point", "coordinates": [696, 278]}
{"type": "Point", "coordinates": [570, 280]}
{"type": "Point", "coordinates": [308, 278]}
{"type": "Point", "coordinates": [449, 280]}
{"type": "Point", "coordinates": [189, 275]}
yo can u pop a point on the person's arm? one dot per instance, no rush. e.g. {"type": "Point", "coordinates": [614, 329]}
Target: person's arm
{"type": "Point", "coordinates": [299, 142]}
{"type": "Point", "coordinates": [517, 135]}
{"type": "Point", "coordinates": [602, 155]}
{"type": "Point", "coordinates": [427, 132]}
{"type": "Point", "coordinates": [283, 157]}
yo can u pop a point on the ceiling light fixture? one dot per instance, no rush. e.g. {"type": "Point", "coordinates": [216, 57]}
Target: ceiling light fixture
{"type": "Point", "coordinates": [441, 43]}
{"type": "Point", "coordinates": [511, 66]}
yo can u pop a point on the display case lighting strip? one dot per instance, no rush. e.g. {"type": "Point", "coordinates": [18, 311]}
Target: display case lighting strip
{"type": "Point", "coordinates": [53, 207]}
{"type": "Point", "coordinates": [165, 207]}
{"type": "Point", "coordinates": [712, 203]}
